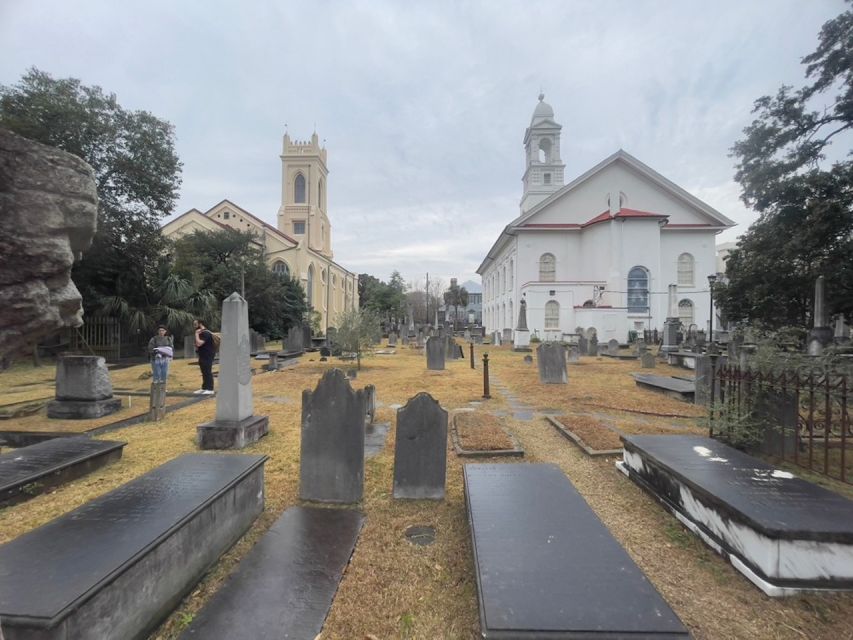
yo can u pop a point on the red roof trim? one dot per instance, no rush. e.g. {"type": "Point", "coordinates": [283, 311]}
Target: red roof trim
{"type": "Point", "coordinates": [635, 213]}
{"type": "Point", "coordinates": [601, 217]}
{"type": "Point", "coordinates": [551, 226]}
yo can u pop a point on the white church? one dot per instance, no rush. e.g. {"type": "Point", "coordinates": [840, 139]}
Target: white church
{"type": "Point", "coordinates": [600, 251]}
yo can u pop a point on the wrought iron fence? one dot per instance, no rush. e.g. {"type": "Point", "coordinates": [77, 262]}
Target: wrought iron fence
{"type": "Point", "coordinates": [801, 416]}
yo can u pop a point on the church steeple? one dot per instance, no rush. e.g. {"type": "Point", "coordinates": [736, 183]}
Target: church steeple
{"type": "Point", "coordinates": [543, 174]}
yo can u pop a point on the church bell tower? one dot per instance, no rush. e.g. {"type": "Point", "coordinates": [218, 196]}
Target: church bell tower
{"type": "Point", "coordinates": [304, 175]}
{"type": "Point", "coordinates": [544, 168]}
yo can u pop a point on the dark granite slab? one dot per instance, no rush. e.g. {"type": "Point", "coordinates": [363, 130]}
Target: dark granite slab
{"type": "Point", "coordinates": [116, 566]}
{"type": "Point", "coordinates": [673, 386]}
{"type": "Point", "coordinates": [284, 588]}
{"type": "Point", "coordinates": [772, 502]}
{"type": "Point", "coordinates": [28, 471]}
{"type": "Point", "coordinates": [547, 567]}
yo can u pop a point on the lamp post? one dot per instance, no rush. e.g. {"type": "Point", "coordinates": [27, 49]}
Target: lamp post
{"type": "Point", "coordinates": [711, 280]}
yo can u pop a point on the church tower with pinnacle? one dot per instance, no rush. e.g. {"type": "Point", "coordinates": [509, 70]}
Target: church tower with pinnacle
{"type": "Point", "coordinates": [304, 175]}
{"type": "Point", "coordinates": [544, 168]}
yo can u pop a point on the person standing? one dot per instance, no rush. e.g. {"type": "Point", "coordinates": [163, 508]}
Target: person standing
{"type": "Point", "coordinates": [160, 351]}
{"type": "Point", "coordinates": [206, 350]}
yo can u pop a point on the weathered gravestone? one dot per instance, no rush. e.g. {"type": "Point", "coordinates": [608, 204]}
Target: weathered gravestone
{"type": "Point", "coordinates": [436, 348]}
{"type": "Point", "coordinates": [612, 347]}
{"type": "Point", "coordinates": [294, 342]}
{"type": "Point", "coordinates": [405, 338]}
{"type": "Point", "coordinates": [593, 346]}
{"type": "Point", "coordinates": [420, 453]}
{"type": "Point", "coordinates": [551, 357]}
{"type": "Point", "coordinates": [306, 336]}
{"type": "Point", "coordinates": [706, 376]}
{"type": "Point", "coordinates": [256, 341]}
{"type": "Point", "coordinates": [647, 360]}
{"type": "Point", "coordinates": [583, 345]}
{"type": "Point", "coordinates": [507, 335]}
{"type": "Point", "coordinates": [331, 466]}
{"type": "Point", "coordinates": [189, 347]}
{"type": "Point", "coordinates": [777, 413]}
{"type": "Point", "coordinates": [370, 404]}
{"type": "Point", "coordinates": [467, 335]}
{"type": "Point", "coordinates": [574, 354]}
{"type": "Point", "coordinates": [496, 338]}
{"type": "Point", "coordinates": [235, 425]}
{"type": "Point", "coordinates": [392, 339]}
{"type": "Point", "coordinates": [83, 389]}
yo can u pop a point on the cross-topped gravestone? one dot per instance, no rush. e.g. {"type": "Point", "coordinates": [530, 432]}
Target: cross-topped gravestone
{"type": "Point", "coordinates": [331, 467]}
{"type": "Point", "coordinates": [420, 453]}
{"type": "Point", "coordinates": [551, 357]}
{"type": "Point", "coordinates": [235, 425]}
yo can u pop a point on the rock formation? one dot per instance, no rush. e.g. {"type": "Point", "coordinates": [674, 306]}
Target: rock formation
{"type": "Point", "coordinates": [48, 209]}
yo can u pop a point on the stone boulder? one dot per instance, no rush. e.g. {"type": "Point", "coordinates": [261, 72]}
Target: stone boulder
{"type": "Point", "coordinates": [49, 209]}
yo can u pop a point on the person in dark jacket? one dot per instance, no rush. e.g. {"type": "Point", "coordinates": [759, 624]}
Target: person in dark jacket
{"type": "Point", "coordinates": [160, 351]}
{"type": "Point", "coordinates": [206, 351]}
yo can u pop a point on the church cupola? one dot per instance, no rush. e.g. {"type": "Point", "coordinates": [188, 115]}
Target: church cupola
{"type": "Point", "coordinates": [544, 169]}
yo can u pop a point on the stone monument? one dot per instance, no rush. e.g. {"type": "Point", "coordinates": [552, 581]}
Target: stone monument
{"type": "Point", "coordinates": [522, 333]}
{"type": "Point", "coordinates": [235, 425]}
{"type": "Point", "coordinates": [420, 452]}
{"type": "Point", "coordinates": [294, 343]}
{"type": "Point", "coordinates": [820, 336]}
{"type": "Point", "coordinates": [436, 348]}
{"type": "Point", "coordinates": [83, 389]}
{"type": "Point", "coordinates": [670, 326]}
{"type": "Point", "coordinates": [551, 357]}
{"type": "Point", "coordinates": [331, 465]}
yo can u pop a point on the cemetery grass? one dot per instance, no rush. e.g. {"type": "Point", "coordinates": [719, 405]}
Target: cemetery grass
{"type": "Point", "coordinates": [393, 589]}
{"type": "Point", "coordinates": [481, 431]}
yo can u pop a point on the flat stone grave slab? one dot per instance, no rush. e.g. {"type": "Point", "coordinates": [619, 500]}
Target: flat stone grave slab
{"type": "Point", "coordinates": [547, 567]}
{"type": "Point", "coordinates": [673, 387]}
{"type": "Point", "coordinates": [285, 586]}
{"type": "Point", "coordinates": [783, 533]}
{"type": "Point", "coordinates": [118, 565]}
{"type": "Point", "coordinates": [26, 472]}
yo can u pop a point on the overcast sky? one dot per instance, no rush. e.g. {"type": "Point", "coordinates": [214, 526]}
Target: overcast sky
{"type": "Point", "coordinates": [423, 105]}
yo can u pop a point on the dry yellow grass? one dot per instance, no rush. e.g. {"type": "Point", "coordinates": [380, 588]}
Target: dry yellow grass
{"type": "Point", "coordinates": [393, 589]}
{"type": "Point", "coordinates": [480, 431]}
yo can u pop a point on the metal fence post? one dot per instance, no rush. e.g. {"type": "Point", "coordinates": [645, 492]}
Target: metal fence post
{"type": "Point", "coordinates": [486, 376]}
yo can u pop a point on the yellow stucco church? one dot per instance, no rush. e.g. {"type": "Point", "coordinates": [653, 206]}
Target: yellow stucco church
{"type": "Point", "coordinates": [301, 246]}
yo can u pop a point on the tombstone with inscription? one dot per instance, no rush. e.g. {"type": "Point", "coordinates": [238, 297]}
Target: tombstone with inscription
{"type": "Point", "coordinates": [331, 467]}
{"type": "Point", "coordinates": [83, 389]}
{"type": "Point", "coordinates": [551, 357]}
{"type": "Point", "coordinates": [235, 425]}
{"type": "Point", "coordinates": [647, 360]}
{"type": "Point", "coordinates": [436, 349]}
{"type": "Point", "coordinates": [420, 452]}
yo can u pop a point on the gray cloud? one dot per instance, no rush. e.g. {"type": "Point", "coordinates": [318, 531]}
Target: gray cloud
{"type": "Point", "coordinates": [423, 106]}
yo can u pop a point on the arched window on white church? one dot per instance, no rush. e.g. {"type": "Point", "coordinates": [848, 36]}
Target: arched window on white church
{"type": "Point", "coordinates": [281, 268]}
{"type": "Point", "coordinates": [686, 265]}
{"type": "Point", "coordinates": [547, 267]}
{"type": "Point", "coordinates": [299, 189]}
{"type": "Point", "coordinates": [685, 312]}
{"type": "Point", "coordinates": [638, 290]}
{"type": "Point", "coordinates": [545, 150]}
{"type": "Point", "coordinates": [552, 314]}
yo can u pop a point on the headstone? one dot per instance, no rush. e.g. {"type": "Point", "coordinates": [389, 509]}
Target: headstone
{"type": "Point", "coordinates": [647, 360]}
{"type": "Point", "coordinates": [551, 357]}
{"type": "Point", "coordinates": [256, 341]}
{"type": "Point", "coordinates": [392, 339]}
{"type": "Point", "coordinates": [593, 346]}
{"type": "Point", "coordinates": [189, 347]}
{"type": "Point", "coordinates": [420, 453]}
{"type": "Point", "coordinates": [507, 335]}
{"type": "Point", "coordinates": [777, 413]}
{"type": "Point", "coordinates": [405, 339]}
{"type": "Point", "coordinates": [235, 426]}
{"type": "Point", "coordinates": [83, 389]}
{"type": "Point", "coordinates": [612, 347]}
{"type": "Point", "coordinates": [467, 335]}
{"type": "Point", "coordinates": [370, 404]}
{"type": "Point", "coordinates": [421, 338]}
{"type": "Point", "coordinates": [842, 331]}
{"type": "Point", "coordinates": [332, 449]}
{"type": "Point", "coordinates": [436, 349]}
{"type": "Point", "coordinates": [306, 336]}
{"type": "Point", "coordinates": [670, 328]}
{"type": "Point", "coordinates": [583, 345]}
{"type": "Point", "coordinates": [441, 331]}
{"type": "Point", "coordinates": [294, 342]}
{"type": "Point", "coordinates": [157, 402]}
{"type": "Point", "coordinates": [450, 348]}
{"type": "Point", "coordinates": [496, 338]}
{"type": "Point", "coordinates": [272, 365]}
{"type": "Point", "coordinates": [574, 354]}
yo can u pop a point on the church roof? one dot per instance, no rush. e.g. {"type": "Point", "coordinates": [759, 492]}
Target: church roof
{"type": "Point", "coordinates": [543, 111]}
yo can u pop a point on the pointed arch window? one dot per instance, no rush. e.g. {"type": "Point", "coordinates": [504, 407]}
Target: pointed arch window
{"type": "Point", "coordinates": [686, 269]}
{"type": "Point", "coordinates": [638, 290]}
{"type": "Point", "coordinates": [552, 314]}
{"type": "Point", "coordinates": [320, 193]}
{"type": "Point", "coordinates": [299, 189]}
{"type": "Point", "coordinates": [281, 269]}
{"type": "Point", "coordinates": [547, 267]}
{"type": "Point", "coordinates": [685, 312]}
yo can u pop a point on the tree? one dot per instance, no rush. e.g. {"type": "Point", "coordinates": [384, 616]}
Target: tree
{"type": "Point", "coordinates": [357, 331]}
{"type": "Point", "coordinates": [805, 204]}
{"type": "Point", "coordinates": [455, 297]}
{"type": "Point", "coordinates": [229, 260]}
{"type": "Point", "coordinates": [137, 173]}
{"type": "Point", "coordinates": [387, 300]}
